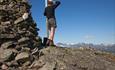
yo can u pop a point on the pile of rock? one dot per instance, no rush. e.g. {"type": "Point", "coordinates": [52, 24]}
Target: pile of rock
{"type": "Point", "coordinates": [19, 38]}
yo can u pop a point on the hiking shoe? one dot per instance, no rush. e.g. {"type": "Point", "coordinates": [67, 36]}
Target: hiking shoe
{"type": "Point", "coordinates": [48, 42]}
{"type": "Point", "coordinates": [45, 41]}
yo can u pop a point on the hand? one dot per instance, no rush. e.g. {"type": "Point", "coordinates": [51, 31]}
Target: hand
{"type": "Point", "coordinates": [50, 0]}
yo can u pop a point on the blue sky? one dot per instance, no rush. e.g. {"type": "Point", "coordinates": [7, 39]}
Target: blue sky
{"type": "Point", "coordinates": [89, 21]}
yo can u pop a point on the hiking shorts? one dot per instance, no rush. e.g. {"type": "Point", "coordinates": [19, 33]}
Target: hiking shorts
{"type": "Point", "coordinates": [51, 23]}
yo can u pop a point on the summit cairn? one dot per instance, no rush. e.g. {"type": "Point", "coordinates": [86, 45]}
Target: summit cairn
{"type": "Point", "coordinates": [19, 38]}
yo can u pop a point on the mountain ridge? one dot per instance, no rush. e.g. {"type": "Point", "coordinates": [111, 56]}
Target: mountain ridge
{"type": "Point", "coordinates": [102, 47]}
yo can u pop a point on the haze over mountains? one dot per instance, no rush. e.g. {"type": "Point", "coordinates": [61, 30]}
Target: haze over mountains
{"type": "Point", "coordinates": [102, 47]}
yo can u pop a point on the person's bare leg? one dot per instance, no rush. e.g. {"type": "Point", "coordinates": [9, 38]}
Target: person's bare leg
{"type": "Point", "coordinates": [51, 36]}
{"type": "Point", "coordinates": [52, 33]}
{"type": "Point", "coordinates": [48, 36]}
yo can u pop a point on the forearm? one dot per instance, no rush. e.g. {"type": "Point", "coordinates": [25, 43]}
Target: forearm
{"type": "Point", "coordinates": [57, 4]}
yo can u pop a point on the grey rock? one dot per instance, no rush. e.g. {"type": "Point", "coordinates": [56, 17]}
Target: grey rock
{"type": "Point", "coordinates": [49, 66]}
{"type": "Point", "coordinates": [12, 63]}
{"type": "Point", "coordinates": [21, 31]}
{"type": "Point", "coordinates": [6, 55]}
{"type": "Point", "coordinates": [22, 57]}
{"type": "Point", "coordinates": [24, 44]}
{"type": "Point", "coordinates": [18, 20]}
{"type": "Point", "coordinates": [6, 23]}
{"type": "Point", "coordinates": [9, 36]}
{"type": "Point", "coordinates": [26, 49]}
{"type": "Point", "coordinates": [37, 64]}
{"type": "Point", "coordinates": [2, 7]}
{"type": "Point", "coordinates": [25, 1]}
{"type": "Point", "coordinates": [8, 44]}
{"type": "Point", "coordinates": [27, 63]}
{"type": "Point", "coordinates": [1, 0]}
{"type": "Point", "coordinates": [24, 39]}
{"type": "Point", "coordinates": [55, 58]}
{"type": "Point", "coordinates": [30, 33]}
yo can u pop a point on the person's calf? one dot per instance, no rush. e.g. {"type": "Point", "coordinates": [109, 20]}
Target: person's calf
{"type": "Point", "coordinates": [52, 33]}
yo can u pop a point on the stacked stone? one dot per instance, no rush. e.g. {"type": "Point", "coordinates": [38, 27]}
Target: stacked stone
{"type": "Point", "coordinates": [18, 32]}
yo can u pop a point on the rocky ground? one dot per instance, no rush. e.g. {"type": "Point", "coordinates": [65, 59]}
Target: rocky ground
{"type": "Point", "coordinates": [54, 58]}
{"type": "Point", "coordinates": [58, 58]}
{"type": "Point", "coordinates": [21, 47]}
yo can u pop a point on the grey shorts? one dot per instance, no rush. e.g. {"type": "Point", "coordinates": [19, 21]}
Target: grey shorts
{"type": "Point", "coordinates": [51, 23]}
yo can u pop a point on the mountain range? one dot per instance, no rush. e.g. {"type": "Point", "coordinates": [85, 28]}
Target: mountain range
{"type": "Point", "coordinates": [102, 47]}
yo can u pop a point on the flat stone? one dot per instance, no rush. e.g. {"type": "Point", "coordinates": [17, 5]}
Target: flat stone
{"type": "Point", "coordinates": [26, 49]}
{"type": "Point", "coordinates": [5, 23]}
{"type": "Point", "coordinates": [18, 20]}
{"type": "Point", "coordinates": [21, 31]}
{"type": "Point", "coordinates": [7, 44]}
{"type": "Point", "coordinates": [37, 63]}
{"type": "Point", "coordinates": [25, 1]}
{"type": "Point", "coordinates": [1, 0]}
{"type": "Point", "coordinates": [27, 63]}
{"type": "Point", "coordinates": [23, 39]}
{"type": "Point", "coordinates": [22, 57]}
{"type": "Point", "coordinates": [5, 8]}
{"type": "Point", "coordinates": [9, 36]}
{"type": "Point", "coordinates": [30, 33]}
{"type": "Point", "coordinates": [26, 44]}
{"type": "Point", "coordinates": [12, 63]}
{"type": "Point", "coordinates": [6, 55]}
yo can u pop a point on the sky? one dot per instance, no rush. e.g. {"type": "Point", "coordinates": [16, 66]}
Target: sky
{"type": "Point", "coordinates": [79, 21]}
